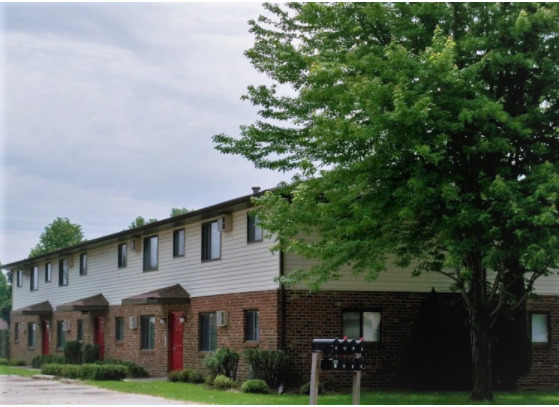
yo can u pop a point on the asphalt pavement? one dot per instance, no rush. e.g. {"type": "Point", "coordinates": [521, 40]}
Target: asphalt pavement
{"type": "Point", "coordinates": [17, 390]}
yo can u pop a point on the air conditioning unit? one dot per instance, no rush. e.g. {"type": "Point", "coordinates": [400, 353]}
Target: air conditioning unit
{"type": "Point", "coordinates": [133, 322]}
{"type": "Point", "coordinates": [135, 244]}
{"type": "Point", "coordinates": [221, 318]}
{"type": "Point", "coordinates": [225, 223]}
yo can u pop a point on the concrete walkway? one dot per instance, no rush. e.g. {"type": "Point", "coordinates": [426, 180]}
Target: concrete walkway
{"type": "Point", "coordinates": [16, 390]}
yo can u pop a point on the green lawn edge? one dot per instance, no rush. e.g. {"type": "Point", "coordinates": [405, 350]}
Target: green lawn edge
{"type": "Point", "coordinates": [199, 393]}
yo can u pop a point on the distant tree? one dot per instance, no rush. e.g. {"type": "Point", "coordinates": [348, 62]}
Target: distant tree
{"type": "Point", "coordinates": [179, 211]}
{"type": "Point", "coordinates": [5, 295]}
{"type": "Point", "coordinates": [59, 234]}
{"type": "Point", "coordinates": [140, 221]}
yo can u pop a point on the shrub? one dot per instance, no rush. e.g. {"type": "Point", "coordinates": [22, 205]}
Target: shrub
{"type": "Point", "coordinates": [222, 382]}
{"type": "Point", "coordinates": [40, 360]}
{"type": "Point", "coordinates": [255, 386]}
{"type": "Point", "coordinates": [4, 362]}
{"type": "Point", "coordinates": [16, 362]}
{"type": "Point", "coordinates": [90, 353]}
{"type": "Point", "coordinates": [178, 376]}
{"type": "Point", "coordinates": [224, 362]}
{"type": "Point", "coordinates": [132, 369]}
{"type": "Point", "coordinates": [85, 372]}
{"type": "Point", "coordinates": [195, 376]}
{"type": "Point", "coordinates": [306, 388]}
{"type": "Point", "coordinates": [272, 366]}
{"type": "Point", "coordinates": [73, 352]}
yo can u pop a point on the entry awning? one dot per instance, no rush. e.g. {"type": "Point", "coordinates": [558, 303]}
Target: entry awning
{"type": "Point", "coordinates": [42, 308]}
{"type": "Point", "coordinates": [174, 294]}
{"type": "Point", "coordinates": [94, 303]}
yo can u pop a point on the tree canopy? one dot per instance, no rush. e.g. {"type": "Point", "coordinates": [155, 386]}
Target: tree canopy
{"type": "Point", "coordinates": [427, 131]}
{"type": "Point", "coordinates": [59, 234]}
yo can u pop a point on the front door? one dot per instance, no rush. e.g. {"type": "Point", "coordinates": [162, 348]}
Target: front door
{"type": "Point", "coordinates": [175, 340]}
{"type": "Point", "coordinates": [99, 335]}
{"type": "Point", "coordinates": [45, 337]}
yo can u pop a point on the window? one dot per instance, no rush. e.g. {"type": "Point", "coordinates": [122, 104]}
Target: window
{"type": "Point", "coordinates": [48, 273]}
{"type": "Point", "coordinates": [366, 325]}
{"type": "Point", "coordinates": [252, 324]}
{"type": "Point", "coordinates": [63, 272]}
{"type": "Point", "coordinates": [16, 332]}
{"type": "Point", "coordinates": [80, 330]}
{"type": "Point", "coordinates": [178, 243]}
{"type": "Point", "coordinates": [150, 253]}
{"type": "Point", "coordinates": [540, 328]}
{"type": "Point", "coordinates": [119, 329]}
{"type": "Point", "coordinates": [147, 328]}
{"type": "Point", "coordinates": [122, 255]}
{"type": "Point", "coordinates": [83, 264]}
{"type": "Point", "coordinates": [211, 241]}
{"type": "Point", "coordinates": [208, 331]}
{"type": "Point", "coordinates": [20, 278]}
{"type": "Point", "coordinates": [31, 334]}
{"type": "Point", "coordinates": [254, 231]}
{"type": "Point", "coordinates": [60, 334]}
{"type": "Point", "coordinates": [34, 285]}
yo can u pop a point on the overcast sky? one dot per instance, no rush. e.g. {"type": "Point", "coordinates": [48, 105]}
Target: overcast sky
{"type": "Point", "coordinates": [109, 109]}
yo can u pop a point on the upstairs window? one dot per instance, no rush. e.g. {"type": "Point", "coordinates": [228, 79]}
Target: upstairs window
{"type": "Point", "coordinates": [122, 255]}
{"type": "Point", "coordinates": [83, 264]}
{"type": "Point", "coordinates": [34, 279]}
{"type": "Point", "coordinates": [63, 272]}
{"type": "Point", "coordinates": [178, 243]}
{"type": "Point", "coordinates": [362, 324]}
{"type": "Point", "coordinates": [19, 279]}
{"type": "Point", "coordinates": [151, 249]}
{"type": "Point", "coordinates": [48, 273]}
{"type": "Point", "coordinates": [254, 231]}
{"type": "Point", "coordinates": [211, 241]}
{"type": "Point", "coordinates": [540, 328]}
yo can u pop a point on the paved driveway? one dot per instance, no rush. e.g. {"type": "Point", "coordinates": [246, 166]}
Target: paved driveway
{"type": "Point", "coordinates": [23, 390]}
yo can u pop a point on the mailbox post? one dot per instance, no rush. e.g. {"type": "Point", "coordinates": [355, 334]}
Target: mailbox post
{"type": "Point", "coordinates": [337, 354]}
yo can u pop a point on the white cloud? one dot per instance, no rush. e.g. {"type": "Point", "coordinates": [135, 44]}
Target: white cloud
{"type": "Point", "coordinates": [112, 106]}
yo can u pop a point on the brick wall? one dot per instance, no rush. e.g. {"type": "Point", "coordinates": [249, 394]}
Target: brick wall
{"type": "Point", "coordinates": [319, 315]}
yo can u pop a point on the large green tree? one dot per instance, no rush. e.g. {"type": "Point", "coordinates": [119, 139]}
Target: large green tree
{"type": "Point", "coordinates": [59, 234]}
{"type": "Point", "coordinates": [427, 131]}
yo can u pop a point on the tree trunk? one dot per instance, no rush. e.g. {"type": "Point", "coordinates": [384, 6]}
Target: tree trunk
{"type": "Point", "coordinates": [481, 358]}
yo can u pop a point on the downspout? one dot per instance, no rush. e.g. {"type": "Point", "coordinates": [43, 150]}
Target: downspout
{"type": "Point", "coordinates": [282, 303]}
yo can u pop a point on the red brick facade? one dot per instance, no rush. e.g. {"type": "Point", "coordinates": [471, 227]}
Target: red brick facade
{"type": "Point", "coordinates": [305, 316]}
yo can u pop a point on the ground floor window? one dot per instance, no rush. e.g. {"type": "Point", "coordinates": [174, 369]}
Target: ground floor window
{"type": "Point", "coordinates": [119, 329]}
{"type": "Point", "coordinates": [31, 334]}
{"type": "Point", "coordinates": [60, 334]}
{"type": "Point", "coordinates": [540, 327]}
{"type": "Point", "coordinates": [147, 329]}
{"type": "Point", "coordinates": [80, 330]}
{"type": "Point", "coordinates": [252, 325]}
{"type": "Point", "coordinates": [208, 331]}
{"type": "Point", "coordinates": [362, 324]}
{"type": "Point", "coordinates": [16, 332]}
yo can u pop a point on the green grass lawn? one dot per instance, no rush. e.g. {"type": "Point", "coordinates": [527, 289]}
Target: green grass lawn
{"type": "Point", "coordinates": [201, 394]}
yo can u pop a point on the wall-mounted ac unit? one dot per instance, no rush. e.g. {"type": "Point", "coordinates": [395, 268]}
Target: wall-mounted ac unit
{"type": "Point", "coordinates": [135, 244]}
{"type": "Point", "coordinates": [225, 223]}
{"type": "Point", "coordinates": [221, 318]}
{"type": "Point", "coordinates": [133, 322]}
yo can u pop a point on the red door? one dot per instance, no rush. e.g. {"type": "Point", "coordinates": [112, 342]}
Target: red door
{"type": "Point", "coordinates": [45, 337]}
{"type": "Point", "coordinates": [99, 335]}
{"type": "Point", "coordinates": [175, 341]}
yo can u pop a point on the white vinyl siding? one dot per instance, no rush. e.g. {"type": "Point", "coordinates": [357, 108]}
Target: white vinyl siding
{"type": "Point", "coordinates": [243, 268]}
